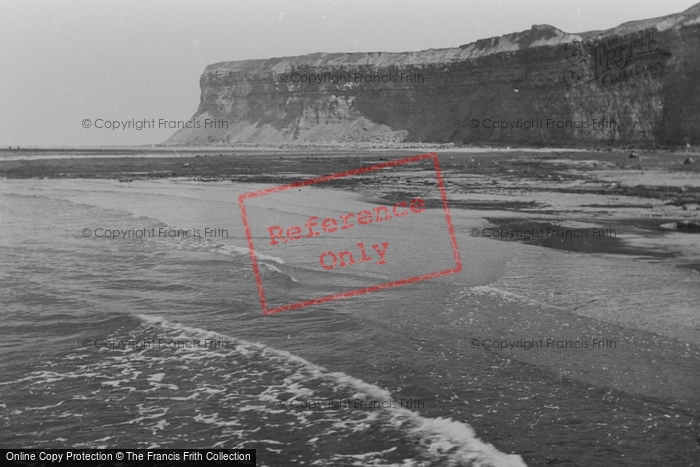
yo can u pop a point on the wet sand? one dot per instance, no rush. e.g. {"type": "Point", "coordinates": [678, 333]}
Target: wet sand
{"type": "Point", "coordinates": [516, 189]}
{"type": "Point", "coordinates": [649, 200]}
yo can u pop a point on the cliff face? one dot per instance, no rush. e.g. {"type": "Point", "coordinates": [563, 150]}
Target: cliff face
{"type": "Point", "coordinates": [635, 84]}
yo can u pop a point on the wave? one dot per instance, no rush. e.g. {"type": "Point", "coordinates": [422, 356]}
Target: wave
{"type": "Point", "coordinates": [208, 245]}
{"type": "Point", "coordinates": [508, 296]}
{"type": "Point", "coordinates": [223, 396]}
{"type": "Point", "coordinates": [444, 438]}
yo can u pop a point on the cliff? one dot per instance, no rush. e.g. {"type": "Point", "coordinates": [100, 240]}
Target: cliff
{"type": "Point", "coordinates": [636, 84]}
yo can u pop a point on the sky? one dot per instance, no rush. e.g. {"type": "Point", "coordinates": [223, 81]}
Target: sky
{"type": "Point", "coordinates": [64, 61]}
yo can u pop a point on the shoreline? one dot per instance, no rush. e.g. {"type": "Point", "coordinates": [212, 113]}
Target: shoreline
{"type": "Point", "coordinates": [159, 150]}
{"type": "Point", "coordinates": [514, 187]}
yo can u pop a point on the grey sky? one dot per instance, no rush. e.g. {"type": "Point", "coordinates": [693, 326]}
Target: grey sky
{"type": "Point", "coordinates": [64, 61]}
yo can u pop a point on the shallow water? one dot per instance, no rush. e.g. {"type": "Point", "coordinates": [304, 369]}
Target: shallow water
{"type": "Point", "coordinates": [635, 403]}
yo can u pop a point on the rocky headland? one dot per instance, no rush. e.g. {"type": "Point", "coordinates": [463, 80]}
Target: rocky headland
{"type": "Point", "coordinates": [633, 85]}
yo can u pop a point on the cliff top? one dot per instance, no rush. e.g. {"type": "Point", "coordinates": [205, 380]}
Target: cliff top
{"type": "Point", "coordinates": [537, 36]}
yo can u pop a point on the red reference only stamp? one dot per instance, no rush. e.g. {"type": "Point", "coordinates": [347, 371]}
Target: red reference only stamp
{"type": "Point", "coordinates": [404, 230]}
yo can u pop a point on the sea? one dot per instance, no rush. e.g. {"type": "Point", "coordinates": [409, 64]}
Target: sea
{"type": "Point", "coordinates": [528, 356]}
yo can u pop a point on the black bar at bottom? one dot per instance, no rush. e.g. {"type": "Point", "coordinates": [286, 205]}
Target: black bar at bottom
{"type": "Point", "coordinates": [128, 457]}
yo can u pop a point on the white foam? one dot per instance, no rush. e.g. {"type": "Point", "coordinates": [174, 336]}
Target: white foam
{"type": "Point", "coordinates": [233, 250]}
{"type": "Point", "coordinates": [44, 408]}
{"type": "Point", "coordinates": [509, 296]}
{"type": "Point", "coordinates": [271, 267]}
{"type": "Point", "coordinates": [445, 437]}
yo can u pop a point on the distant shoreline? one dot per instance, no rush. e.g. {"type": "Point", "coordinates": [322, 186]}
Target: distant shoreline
{"type": "Point", "coordinates": [41, 152]}
{"type": "Point", "coordinates": [141, 162]}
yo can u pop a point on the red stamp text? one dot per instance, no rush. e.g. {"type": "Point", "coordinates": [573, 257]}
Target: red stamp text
{"type": "Point", "coordinates": [328, 243]}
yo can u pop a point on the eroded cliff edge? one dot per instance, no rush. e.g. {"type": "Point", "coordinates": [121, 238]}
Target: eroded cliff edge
{"type": "Point", "coordinates": [636, 84]}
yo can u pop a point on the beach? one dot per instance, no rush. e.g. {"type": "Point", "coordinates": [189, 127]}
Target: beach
{"type": "Point", "coordinates": [570, 336]}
